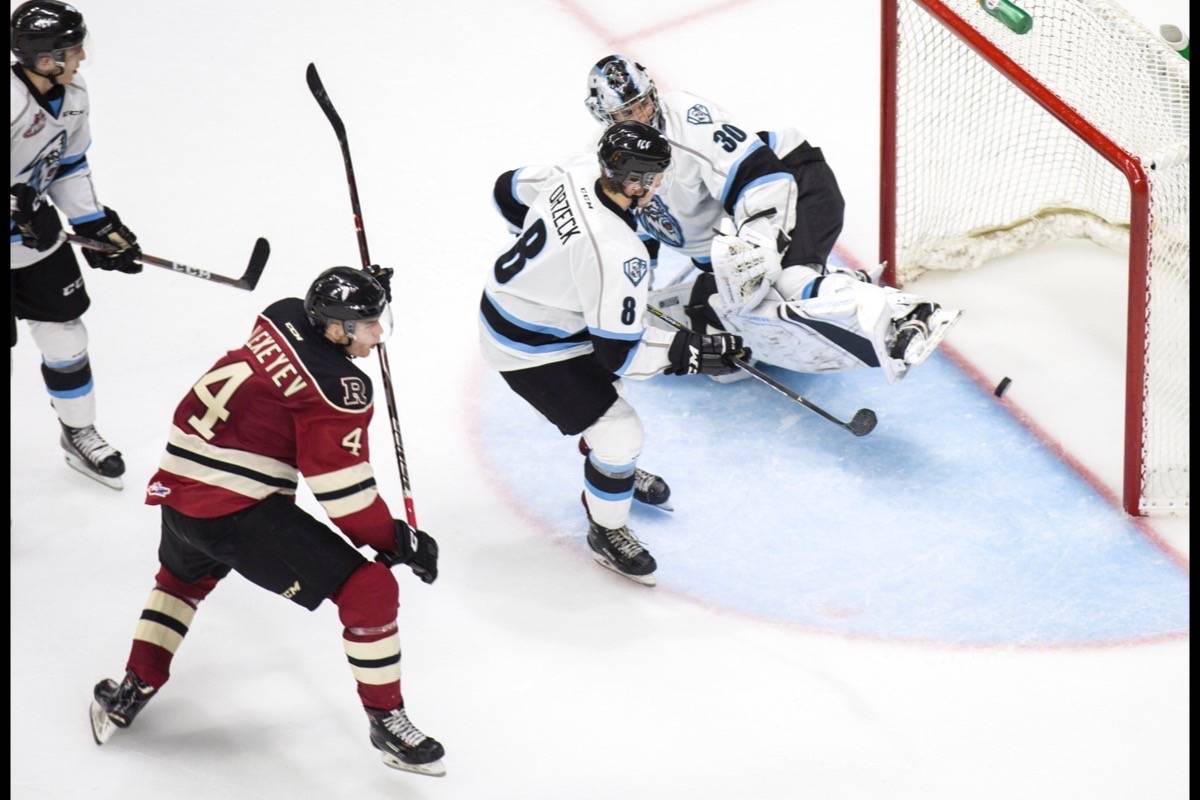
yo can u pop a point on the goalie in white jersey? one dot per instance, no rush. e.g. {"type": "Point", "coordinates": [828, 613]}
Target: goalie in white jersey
{"type": "Point", "coordinates": [561, 318]}
{"type": "Point", "coordinates": [48, 169]}
{"type": "Point", "coordinates": [780, 210]}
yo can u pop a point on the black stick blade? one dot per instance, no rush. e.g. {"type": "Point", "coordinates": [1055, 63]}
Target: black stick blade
{"type": "Point", "coordinates": [863, 423]}
{"type": "Point", "coordinates": [258, 262]}
{"type": "Point", "coordinates": [318, 91]}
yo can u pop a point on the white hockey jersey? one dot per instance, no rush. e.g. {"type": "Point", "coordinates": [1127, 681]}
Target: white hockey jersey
{"type": "Point", "coordinates": [717, 169]}
{"type": "Point", "coordinates": [575, 282]}
{"type": "Point", "coordinates": [48, 141]}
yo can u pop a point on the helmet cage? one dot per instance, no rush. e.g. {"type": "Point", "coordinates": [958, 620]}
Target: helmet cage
{"type": "Point", "coordinates": [616, 87]}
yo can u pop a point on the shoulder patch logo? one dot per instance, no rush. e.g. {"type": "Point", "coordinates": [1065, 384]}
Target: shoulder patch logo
{"type": "Point", "coordinates": [292, 330]}
{"type": "Point", "coordinates": [660, 223]}
{"type": "Point", "coordinates": [35, 127]}
{"type": "Point", "coordinates": [354, 391]}
{"type": "Point", "coordinates": [636, 269]}
{"type": "Point", "coordinates": [158, 490]}
{"type": "Point", "coordinates": [698, 115]}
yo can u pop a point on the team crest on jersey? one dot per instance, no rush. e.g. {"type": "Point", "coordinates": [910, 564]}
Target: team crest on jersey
{"type": "Point", "coordinates": [35, 127]}
{"type": "Point", "coordinates": [698, 115]}
{"type": "Point", "coordinates": [158, 490]}
{"type": "Point", "coordinates": [636, 269]}
{"type": "Point", "coordinates": [44, 166]}
{"type": "Point", "coordinates": [658, 221]}
{"type": "Point", "coordinates": [354, 392]}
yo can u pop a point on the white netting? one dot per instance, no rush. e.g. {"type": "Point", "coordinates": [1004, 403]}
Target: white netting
{"type": "Point", "coordinates": [983, 170]}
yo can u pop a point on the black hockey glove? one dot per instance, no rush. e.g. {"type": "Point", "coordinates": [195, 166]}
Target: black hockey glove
{"type": "Point", "coordinates": [384, 276]}
{"type": "Point", "coordinates": [711, 354]}
{"type": "Point", "coordinates": [416, 548]}
{"type": "Point", "coordinates": [110, 230]}
{"type": "Point", "coordinates": [37, 222]}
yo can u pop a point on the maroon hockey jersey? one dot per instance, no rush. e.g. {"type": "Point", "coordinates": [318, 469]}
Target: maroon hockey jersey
{"type": "Point", "coordinates": [286, 401]}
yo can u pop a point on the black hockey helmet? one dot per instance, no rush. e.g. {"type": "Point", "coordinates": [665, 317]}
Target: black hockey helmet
{"type": "Point", "coordinates": [633, 151]}
{"type": "Point", "coordinates": [616, 85]}
{"type": "Point", "coordinates": [44, 28]}
{"type": "Point", "coordinates": [345, 295]}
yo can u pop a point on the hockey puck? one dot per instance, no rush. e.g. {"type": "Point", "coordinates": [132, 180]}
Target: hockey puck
{"type": "Point", "coordinates": [1002, 386]}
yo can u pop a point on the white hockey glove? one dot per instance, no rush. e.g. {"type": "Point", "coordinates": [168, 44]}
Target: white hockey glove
{"type": "Point", "coordinates": [745, 267]}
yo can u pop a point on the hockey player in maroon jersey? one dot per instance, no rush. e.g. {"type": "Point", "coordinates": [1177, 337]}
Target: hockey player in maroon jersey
{"type": "Point", "coordinates": [290, 400]}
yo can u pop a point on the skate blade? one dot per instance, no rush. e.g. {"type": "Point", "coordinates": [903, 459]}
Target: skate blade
{"type": "Point", "coordinates": [660, 506]}
{"type": "Point", "coordinates": [102, 726]}
{"type": "Point", "coordinates": [644, 580]}
{"type": "Point", "coordinates": [731, 377]}
{"type": "Point", "coordinates": [74, 463]}
{"type": "Point", "coordinates": [434, 769]}
{"type": "Point", "coordinates": [935, 339]}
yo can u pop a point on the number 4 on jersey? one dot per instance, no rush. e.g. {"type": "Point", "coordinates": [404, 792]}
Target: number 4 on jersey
{"type": "Point", "coordinates": [232, 376]}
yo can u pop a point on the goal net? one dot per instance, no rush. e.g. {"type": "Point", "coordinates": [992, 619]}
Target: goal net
{"type": "Point", "coordinates": [1008, 125]}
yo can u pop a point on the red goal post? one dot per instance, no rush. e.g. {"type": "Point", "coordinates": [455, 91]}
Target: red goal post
{"type": "Point", "coordinates": [996, 139]}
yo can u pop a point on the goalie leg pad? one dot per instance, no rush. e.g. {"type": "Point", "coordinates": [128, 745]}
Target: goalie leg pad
{"type": "Point", "coordinates": [66, 370]}
{"type": "Point", "coordinates": [616, 442]}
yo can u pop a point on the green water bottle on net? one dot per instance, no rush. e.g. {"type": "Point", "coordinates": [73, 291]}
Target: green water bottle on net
{"type": "Point", "coordinates": [1015, 18]}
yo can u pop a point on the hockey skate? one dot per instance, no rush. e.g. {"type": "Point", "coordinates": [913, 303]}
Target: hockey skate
{"type": "Point", "coordinates": [648, 488]}
{"type": "Point", "coordinates": [920, 332]}
{"type": "Point", "coordinates": [115, 706]}
{"type": "Point", "coordinates": [618, 550]}
{"type": "Point", "coordinates": [651, 490]}
{"type": "Point", "coordinates": [87, 452]}
{"type": "Point", "coordinates": [402, 745]}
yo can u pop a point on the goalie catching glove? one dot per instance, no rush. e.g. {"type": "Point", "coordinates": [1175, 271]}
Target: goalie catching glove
{"type": "Point", "coordinates": [713, 354]}
{"type": "Point", "coordinates": [745, 266]}
{"type": "Point", "coordinates": [416, 548]}
{"type": "Point", "coordinates": [110, 230]}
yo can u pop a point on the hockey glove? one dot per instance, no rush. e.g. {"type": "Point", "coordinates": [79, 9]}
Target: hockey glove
{"type": "Point", "coordinates": [416, 548]}
{"type": "Point", "coordinates": [37, 223]}
{"type": "Point", "coordinates": [384, 276]}
{"type": "Point", "coordinates": [713, 354]}
{"type": "Point", "coordinates": [110, 230]}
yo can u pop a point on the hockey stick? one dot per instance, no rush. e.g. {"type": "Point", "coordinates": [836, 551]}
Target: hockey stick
{"type": "Point", "coordinates": [258, 261]}
{"type": "Point", "coordinates": [861, 424]}
{"type": "Point", "coordinates": [322, 98]}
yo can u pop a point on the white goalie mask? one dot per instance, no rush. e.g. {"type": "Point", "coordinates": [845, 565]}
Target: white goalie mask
{"type": "Point", "coordinates": [620, 89]}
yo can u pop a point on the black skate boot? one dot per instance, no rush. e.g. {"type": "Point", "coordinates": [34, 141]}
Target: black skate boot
{"type": "Point", "coordinates": [911, 330]}
{"type": "Point", "coordinates": [652, 490]}
{"type": "Point", "coordinates": [87, 452]}
{"type": "Point", "coordinates": [648, 488]}
{"type": "Point", "coordinates": [618, 550]}
{"type": "Point", "coordinates": [920, 332]}
{"type": "Point", "coordinates": [402, 745]}
{"type": "Point", "coordinates": [115, 706]}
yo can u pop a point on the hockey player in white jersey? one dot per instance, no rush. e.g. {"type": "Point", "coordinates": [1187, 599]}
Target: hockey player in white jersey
{"type": "Point", "coordinates": [781, 211]}
{"type": "Point", "coordinates": [561, 318]}
{"type": "Point", "coordinates": [48, 170]}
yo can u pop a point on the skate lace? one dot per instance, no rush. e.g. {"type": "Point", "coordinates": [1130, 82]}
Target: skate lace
{"type": "Point", "coordinates": [644, 481]}
{"type": "Point", "coordinates": [90, 444]}
{"type": "Point", "coordinates": [625, 542]}
{"type": "Point", "coordinates": [398, 724]}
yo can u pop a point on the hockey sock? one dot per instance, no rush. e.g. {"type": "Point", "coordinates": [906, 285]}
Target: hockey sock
{"type": "Point", "coordinates": [70, 386]}
{"type": "Point", "coordinates": [164, 622]}
{"type": "Point", "coordinates": [608, 491]}
{"type": "Point", "coordinates": [367, 604]}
